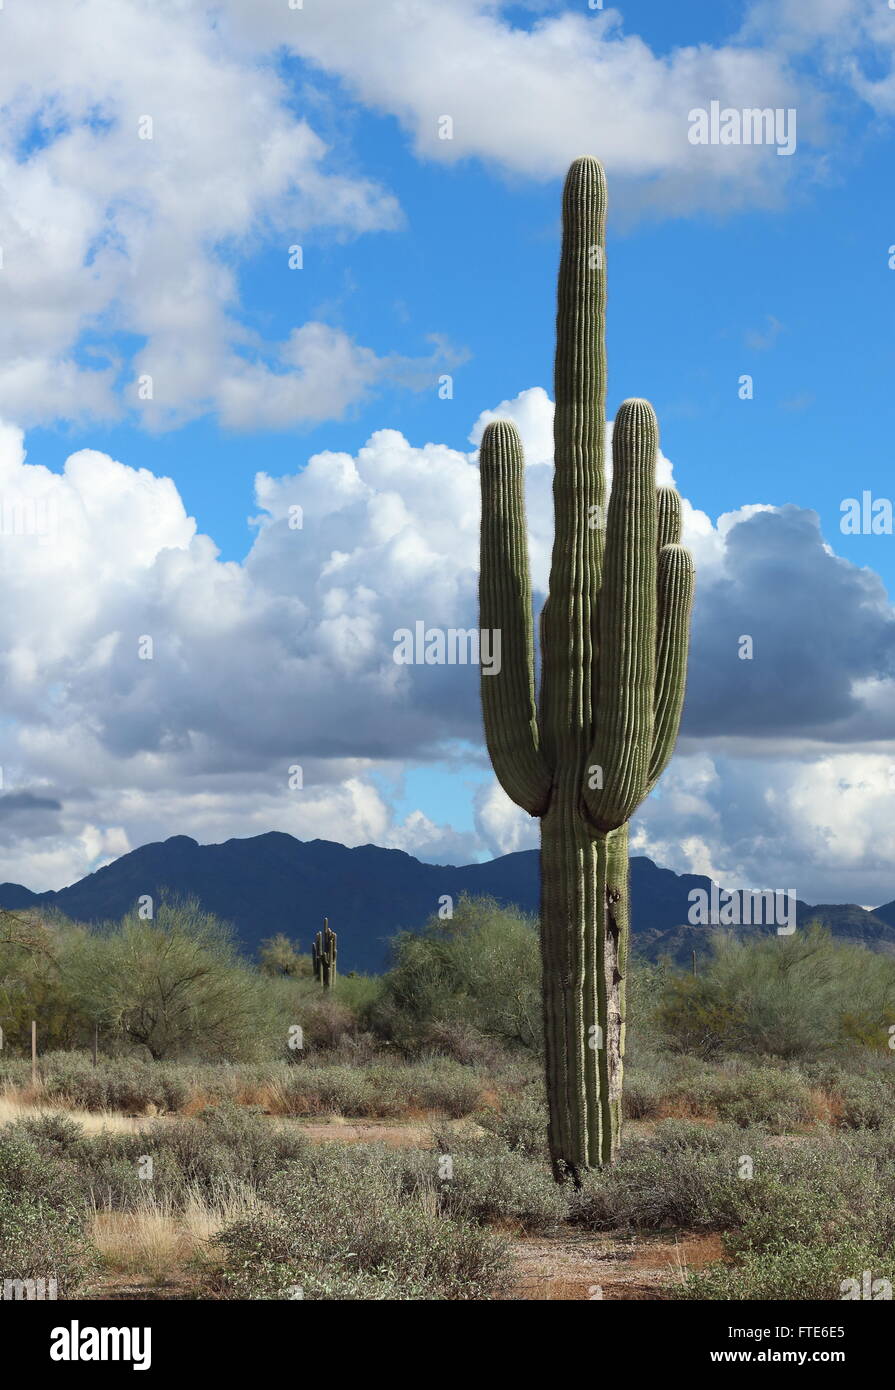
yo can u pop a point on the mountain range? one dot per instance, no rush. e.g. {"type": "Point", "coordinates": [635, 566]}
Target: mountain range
{"type": "Point", "coordinates": [276, 883]}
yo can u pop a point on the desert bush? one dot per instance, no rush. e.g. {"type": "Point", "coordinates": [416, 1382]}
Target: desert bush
{"type": "Point", "coordinates": [788, 996]}
{"type": "Point", "coordinates": [466, 1044]}
{"type": "Point", "coordinates": [36, 982]}
{"type": "Point", "coordinates": [41, 1217]}
{"type": "Point", "coordinates": [642, 1097]}
{"type": "Point", "coordinates": [813, 1213]}
{"type": "Point", "coordinates": [225, 1148]}
{"type": "Point", "coordinates": [816, 1192]}
{"type": "Point", "coordinates": [127, 1083]}
{"type": "Point", "coordinates": [865, 1102]}
{"type": "Point", "coordinates": [384, 1090]}
{"type": "Point", "coordinates": [519, 1120]}
{"type": "Point", "coordinates": [490, 1183]}
{"type": "Point", "coordinates": [27, 1171]}
{"type": "Point", "coordinates": [330, 1019]}
{"type": "Point", "coordinates": [792, 1271]}
{"type": "Point", "coordinates": [685, 1175]}
{"type": "Point", "coordinates": [342, 1225]}
{"type": "Point", "coordinates": [777, 1100]}
{"type": "Point", "coordinates": [821, 1191]}
{"type": "Point", "coordinates": [480, 969]}
{"type": "Point", "coordinates": [326, 1021]}
{"type": "Point", "coordinates": [644, 989]}
{"type": "Point", "coordinates": [37, 1242]}
{"type": "Point", "coordinates": [327, 1083]}
{"type": "Point", "coordinates": [53, 1133]}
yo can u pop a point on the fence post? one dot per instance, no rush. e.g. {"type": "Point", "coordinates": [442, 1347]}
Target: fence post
{"type": "Point", "coordinates": [34, 1052]}
{"type": "Point", "coordinates": [95, 1043]}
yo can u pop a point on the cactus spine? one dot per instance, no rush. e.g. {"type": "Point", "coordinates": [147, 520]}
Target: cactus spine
{"type": "Point", "coordinates": [614, 635]}
{"type": "Point", "coordinates": [323, 954]}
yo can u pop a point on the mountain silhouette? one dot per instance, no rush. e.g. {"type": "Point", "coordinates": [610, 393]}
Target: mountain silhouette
{"type": "Point", "coordinates": [276, 883]}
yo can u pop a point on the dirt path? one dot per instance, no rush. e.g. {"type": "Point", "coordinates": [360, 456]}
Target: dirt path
{"type": "Point", "coordinates": [580, 1265]}
{"type": "Point", "coordinates": [131, 1288]}
{"type": "Point", "coordinates": [560, 1267]}
{"type": "Point", "coordinates": [397, 1134]}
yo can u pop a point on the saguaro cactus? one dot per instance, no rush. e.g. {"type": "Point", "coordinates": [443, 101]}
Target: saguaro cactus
{"type": "Point", "coordinates": [323, 953]}
{"type": "Point", "coordinates": [614, 635]}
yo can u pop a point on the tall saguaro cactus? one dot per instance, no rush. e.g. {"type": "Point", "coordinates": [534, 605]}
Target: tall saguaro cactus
{"type": "Point", "coordinates": [614, 635]}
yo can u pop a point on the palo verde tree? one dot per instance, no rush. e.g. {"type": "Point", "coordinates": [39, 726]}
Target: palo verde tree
{"type": "Point", "coordinates": [614, 636]}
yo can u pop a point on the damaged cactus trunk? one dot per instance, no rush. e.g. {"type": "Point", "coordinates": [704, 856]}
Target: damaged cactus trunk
{"type": "Point", "coordinates": [584, 939]}
{"type": "Point", "coordinates": [614, 635]}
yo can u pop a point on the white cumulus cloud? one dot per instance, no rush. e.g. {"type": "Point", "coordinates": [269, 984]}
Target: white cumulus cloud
{"type": "Point", "coordinates": [287, 660]}
{"type": "Point", "coordinates": [143, 158]}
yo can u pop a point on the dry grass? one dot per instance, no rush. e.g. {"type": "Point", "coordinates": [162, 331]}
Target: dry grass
{"type": "Point", "coordinates": [827, 1108]}
{"type": "Point", "coordinates": [271, 1096]}
{"type": "Point", "coordinates": [157, 1239]}
{"type": "Point", "coordinates": [27, 1105]}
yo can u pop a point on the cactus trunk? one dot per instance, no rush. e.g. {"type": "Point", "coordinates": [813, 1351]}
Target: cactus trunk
{"type": "Point", "coordinates": [614, 634]}
{"type": "Point", "coordinates": [584, 941]}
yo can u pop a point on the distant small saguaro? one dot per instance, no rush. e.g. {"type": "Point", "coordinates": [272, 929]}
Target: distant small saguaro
{"type": "Point", "coordinates": [323, 956]}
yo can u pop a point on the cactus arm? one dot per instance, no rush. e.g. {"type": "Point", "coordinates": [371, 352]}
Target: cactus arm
{"type": "Point", "coordinates": [675, 586]}
{"type": "Point", "coordinates": [508, 698]}
{"type": "Point", "coordinates": [668, 505]}
{"type": "Point", "coordinates": [333, 955]}
{"type": "Point", "coordinates": [627, 668]}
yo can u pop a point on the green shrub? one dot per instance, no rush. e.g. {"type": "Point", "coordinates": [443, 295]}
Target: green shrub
{"type": "Point", "coordinates": [685, 1175]}
{"type": "Point", "coordinates": [475, 974]}
{"type": "Point", "coordinates": [764, 1195]}
{"type": "Point", "coordinates": [39, 1242]}
{"type": "Point", "coordinates": [792, 1271]}
{"type": "Point", "coordinates": [642, 1097]}
{"type": "Point", "coordinates": [41, 1217]}
{"type": "Point", "coordinates": [519, 1120]}
{"type": "Point", "coordinates": [384, 1090]}
{"type": "Point", "coordinates": [226, 1147]}
{"type": "Point", "coordinates": [30, 1173]}
{"type": "Point", "coordinates": [337, 1221]}
{"type": "Point", "coordinates": [492, 1184]}
{"type": "Point", "coordinates": [786, 996]}
{"type": "Point", "coordinates": [53, 1134]}
{"type": "Point", "coordinates": [176, 986]}
{"type": "Point", "coordinates": [779, 1101]}
{"type": "Point", "coordinates": [128, 1083]}
{"type": "Point", "coordinates": [819, 1191]}
{"type": "Point", "coordinates": [865, 1103]}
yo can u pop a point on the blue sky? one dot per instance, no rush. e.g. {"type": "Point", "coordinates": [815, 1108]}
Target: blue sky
{"type": "Point", "coordinates": [474, 261]}
{"type": "Point", "coordinates": [422, 256]}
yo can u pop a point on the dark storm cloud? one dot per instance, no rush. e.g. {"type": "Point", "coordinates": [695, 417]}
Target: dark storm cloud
{"type": "Point", "coordinates": [818, 626]}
